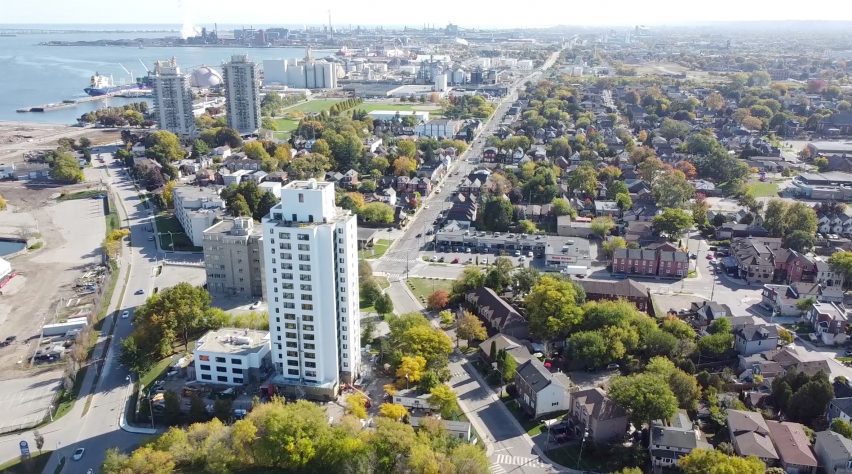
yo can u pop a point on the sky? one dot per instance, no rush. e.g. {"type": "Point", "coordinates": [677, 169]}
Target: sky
{"type": "Point", "coordinates": [470, 13]}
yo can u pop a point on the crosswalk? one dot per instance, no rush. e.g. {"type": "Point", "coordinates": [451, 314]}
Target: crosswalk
{"type": "Point", "coordinates": [457, 372]}
{"type": "Point", "coordinates": [505, 459]}
{"type": "Point", "coordinates": [497, 469]}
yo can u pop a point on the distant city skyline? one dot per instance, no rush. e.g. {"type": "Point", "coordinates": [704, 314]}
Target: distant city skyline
{"type": "Point", "coordinates": [535, 13]}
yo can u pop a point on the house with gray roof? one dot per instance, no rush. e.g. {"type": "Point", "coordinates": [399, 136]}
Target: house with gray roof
{"type": "Point", "coordinates": [498, 314]}
{"type": "Point", "coordinates": [541, 392]}
{"type": "Point", "coordinates": [750, 435]}
{"type": "Point", "coordinates": [502, 342]}
{"type": "Point", "coordinates": [673, 439]}
{"type": "Point", "coordinates": [834, 452]}
{"type": "Point", "coordinates": [593, 411]}
{"type": "Point", "coordinates": [840, 408]}
{"type": "Point", "coordinates": [752, 339]}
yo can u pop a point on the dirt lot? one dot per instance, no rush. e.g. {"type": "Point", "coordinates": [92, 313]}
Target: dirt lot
{"type": "Point", "coordinates": [72, 232]}
{"type": "Point", "coordinates": [19, 137]}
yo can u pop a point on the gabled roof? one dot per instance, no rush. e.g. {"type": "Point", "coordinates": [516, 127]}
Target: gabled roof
{"type": "Point", "coordinates": [836, 445]}
{"type": "Point", "coordinates": [597, 404]}
{"type": "Point", "coordinates": [511, 345]}
{"type": "Point", "coordinates": [843, 404]}
{"type": "Point", "coordinates": [792, 443]}
{"type": "Point", "coordinates": [499, 314]}
{"type": "Point", "coordinates": [536, 375]}
{"type": "Point", "coordinates": [753, 332]}
{"type": "Point", "coordinates": [627, 288]}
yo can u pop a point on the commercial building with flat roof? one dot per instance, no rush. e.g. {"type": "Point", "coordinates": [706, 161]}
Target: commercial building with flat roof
{"type": "Point", "coordinates": [232, 356]}
{"type": "Point", "coordinates": [197, 209]}
{"type": "Point", "coordinates": [232, 258]}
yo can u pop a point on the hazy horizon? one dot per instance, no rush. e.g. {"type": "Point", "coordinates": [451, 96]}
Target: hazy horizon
{"type": "Point", "coordinates": [533, 14]}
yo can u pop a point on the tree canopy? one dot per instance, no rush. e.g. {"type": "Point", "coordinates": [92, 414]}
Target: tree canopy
{"type": "Point", "coordinates": [297, 437]}
{"type": "Point", "coordinates": [704, 461]}
{"type": "Point", "coordinates": [553, 306]}
{"type": "Point", "coordinates": [646, 397]}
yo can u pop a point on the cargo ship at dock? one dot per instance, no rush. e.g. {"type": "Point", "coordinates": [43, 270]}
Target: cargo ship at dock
{"type": "Point", "coordinates": [104, 85]}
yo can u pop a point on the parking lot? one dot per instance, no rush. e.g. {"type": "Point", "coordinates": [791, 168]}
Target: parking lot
{"type": "Point", "coordinates": [25, 401]}
{"type": "Point", "coordinates": [470, 257]}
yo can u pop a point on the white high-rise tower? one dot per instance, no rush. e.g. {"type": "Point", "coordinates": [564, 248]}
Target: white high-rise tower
{"type": "Point", "coordinates": [310, 252]}
{"type": "Point", "coordinates": [242, 92]}
{"type": "Point", "coordinates": [173, 99]}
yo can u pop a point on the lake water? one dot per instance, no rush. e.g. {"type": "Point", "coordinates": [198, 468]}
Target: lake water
{"type": "Point", "coordinates": [33, 75]}
{"type": "Point", "coordinates": [10, 246]}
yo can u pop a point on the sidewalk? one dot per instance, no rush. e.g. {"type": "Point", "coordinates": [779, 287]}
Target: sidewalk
{"type": "Point", "coordinates": [494, 400]}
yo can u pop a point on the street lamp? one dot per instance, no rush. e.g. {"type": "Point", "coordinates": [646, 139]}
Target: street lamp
{"type": "Point", "coordinates": [494, 366]}
{"type": "Point", "coordinates": [50, 412]}
{"type": "Point", "coordinates": [583, 442]}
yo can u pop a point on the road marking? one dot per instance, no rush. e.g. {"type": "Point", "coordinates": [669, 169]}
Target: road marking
{"type": "Point", "coordinates": [519, 461]}
{"type": "Point", "coordinates": [497, 469]}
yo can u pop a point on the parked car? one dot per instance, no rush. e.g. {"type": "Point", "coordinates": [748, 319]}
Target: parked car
{"type": "Point", "coordinates": [529, 254]}
{"type": "Point", "coordinates": [433, 259]}
{"type": "Point", "coordinates": [140, 291]}
{"type": "Point", "coordinates": [78, 454]}
{"type": "Point", "coordinates": [125, 314]}
{"type": "Point", "coordinates": [612, 366]}
{"type": "Point", "coordinates": [455, 260]}
{"type": "Point", "coordinates": [441, 260]}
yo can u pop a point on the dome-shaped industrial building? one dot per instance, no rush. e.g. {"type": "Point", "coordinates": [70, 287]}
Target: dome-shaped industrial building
{"type": "Point", "coordinates": [206, 77]}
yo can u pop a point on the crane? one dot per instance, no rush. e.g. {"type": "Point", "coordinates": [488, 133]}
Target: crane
{"type": "Point", "coordinates": [143, 65]}
{"type": "Point", "coordinates": [130, 73]}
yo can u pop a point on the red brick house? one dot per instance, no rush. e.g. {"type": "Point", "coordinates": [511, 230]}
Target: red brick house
{"type": "Point", "coordinates": [660, 259]}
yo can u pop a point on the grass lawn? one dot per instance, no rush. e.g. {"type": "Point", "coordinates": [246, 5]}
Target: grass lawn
{"type": "Point", "coordinates": [532, 427]}
{"type": "Point", "coordinates": [383, 284]}
{"type": "Point", "coordinates": [423, 287]}
{"type": "Point", "coordinates": [379, 248]}
{"type": "Point", "coordinates": [67, 398]}
{"type": "Point", "coordinates": [286, 125]}
{"type": "Point", "coordinates": [87, 194]}
{"type": "Point", "coordinates": [313, 106]}
{"type": "Point", "coordinates": [112, 220]}
{"type": "Point", "coordinates": [598, 459]}
{"type": "Point", "coordinates": [765, 189]}
{"type": "Point", "coordinates": [36, 463]}
{"type": "Point", "coordinates": [167, 223]}
{"type": "Point", "coordinates": [156, 371]}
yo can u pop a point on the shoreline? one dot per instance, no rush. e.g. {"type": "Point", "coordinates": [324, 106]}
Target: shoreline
{"type": "Point", "coordinates": [239, 46]}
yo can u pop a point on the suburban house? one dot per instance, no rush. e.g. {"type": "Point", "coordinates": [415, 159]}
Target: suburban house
{"type": "Point", "coordinates": [752, 339]}
{"type": "Point", "coordinates": [540, 391]}
{"type": "Point", "coordinates": [829, 321]}
{"type": "Point", "coordinates": [840, 408]}
{"type": "Point", "coordinates": [793, 446]}
{"type": "Point", "coordinates": [781, 299]}
{"type": "Point", "coordinates": [627, 289]}
{"type": "Point", "coordinates": [754, 258]}
{"type": "Point", "coordinates": [413, 399]}
{"type": "Point", "coordinates": [834, 452]}
{"type": "Point", "coordinates": [499, 315]}
{"type": "Point", "coordinates": [674, 439]}
{"type": "Point", "coordinates": [661, 259]}
{"type": "Point", "coordinates": [513, 347]}
{"type": "Point", "coordinates": [749, 434]}
{"type": "Point", "coordinates": [732, 230]}
{"type": "Point", "coordinates": [593, 411]}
